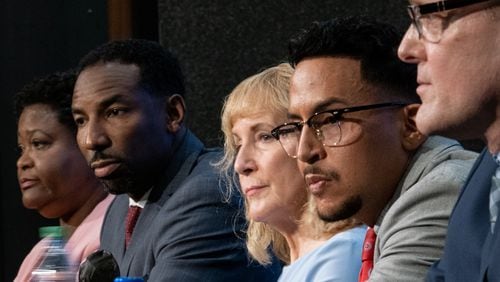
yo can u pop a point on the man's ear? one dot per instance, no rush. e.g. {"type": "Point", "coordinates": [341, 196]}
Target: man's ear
{"type": "Point", "coordinates": [412, 138]}
{"type": "Point", "coordinates": [176, 109]}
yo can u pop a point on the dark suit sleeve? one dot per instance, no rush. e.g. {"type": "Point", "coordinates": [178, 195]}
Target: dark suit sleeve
{"type": "Point", "coordinates": [435, 273]}
{"type": "Point", "coordinates": [201, 236]}
{"type": "Point", "coordinates": [468, 228]}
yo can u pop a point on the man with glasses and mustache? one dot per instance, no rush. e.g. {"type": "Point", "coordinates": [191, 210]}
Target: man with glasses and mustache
{"type": "Point", "coordinates": [456, 46]}
{"type": "Point", "coordinates": [352, 128]}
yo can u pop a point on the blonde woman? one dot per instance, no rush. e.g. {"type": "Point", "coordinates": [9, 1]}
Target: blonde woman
{"type": "Point", "coordinates": [282, 220]}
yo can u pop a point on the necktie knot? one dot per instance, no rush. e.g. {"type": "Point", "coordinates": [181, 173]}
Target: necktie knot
{"type": "Point", "coordinates": [367, 255]}
{"type": "Point", "coordinates": [131, 220]}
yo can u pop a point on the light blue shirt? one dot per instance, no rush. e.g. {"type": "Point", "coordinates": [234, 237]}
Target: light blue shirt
{"type": "Point", "coordinates": [338, 259]}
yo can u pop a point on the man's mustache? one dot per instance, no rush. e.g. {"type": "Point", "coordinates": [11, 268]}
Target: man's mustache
{"type": "Point", "coordinates": [312, 169]}
{"type": "Point", "coordinates": [98, 156]}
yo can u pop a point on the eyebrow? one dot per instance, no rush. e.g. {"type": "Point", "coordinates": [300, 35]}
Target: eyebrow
{"type": "Point", "coordinates": [323, 106]}
{"type": "Point", "coordinates": [258, 126]}
{"type": "Point", "coordinates": [262, 126]}
{"type": "Point", "coordinates": [31, 132]}
{"type": "Point", "coordinates": [104, 104]}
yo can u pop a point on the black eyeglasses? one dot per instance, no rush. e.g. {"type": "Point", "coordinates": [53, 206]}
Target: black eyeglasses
{"type": "Point", "coordinates": [430, 26]}
{"type": "Point", "coordinates": [327, 126]}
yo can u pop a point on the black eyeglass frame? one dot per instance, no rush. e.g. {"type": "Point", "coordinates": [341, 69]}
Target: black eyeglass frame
{"type": "Point", "coordinates": [336, 113]}
{"type": "Point", "coordinates": [441, 6]}
{"type": "Point", "coordinates": [417, 11]}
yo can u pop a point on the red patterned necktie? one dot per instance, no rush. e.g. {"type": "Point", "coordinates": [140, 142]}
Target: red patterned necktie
{"type": "Point", "coordinates": [367, 255]}
{"type": "Point", "coordinates": [132, 216]}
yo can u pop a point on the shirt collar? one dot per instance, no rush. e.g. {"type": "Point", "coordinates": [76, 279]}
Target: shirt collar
{"type": "Point", "coordinates": [496, 157]}
{"type": "Point", "coordinates": [142, 202]}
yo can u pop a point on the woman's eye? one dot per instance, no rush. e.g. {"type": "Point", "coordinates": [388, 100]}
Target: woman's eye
{"type": "Point", "coordinates": [37, 144]}
{"type": "Point", "coordinates": [266, 137]}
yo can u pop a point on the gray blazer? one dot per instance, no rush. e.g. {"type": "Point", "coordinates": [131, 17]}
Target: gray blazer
{"type": "Point", "coordinates": [412, 228]}
{"type": "Point", "coordinates": [187, 231]}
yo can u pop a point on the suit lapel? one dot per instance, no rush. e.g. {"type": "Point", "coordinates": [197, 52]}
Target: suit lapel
{"type": "Point", "coordinates": [139, 236]}
{"type": "Point", "coordinates": [180, 166]}
{"type": "Point", "coordinates": [481, 182]}
{"type": "Point", "coordinates": [115, 226]}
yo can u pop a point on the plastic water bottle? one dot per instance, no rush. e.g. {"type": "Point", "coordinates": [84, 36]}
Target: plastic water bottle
{"type": "Point", "coordinates": [55, 264]}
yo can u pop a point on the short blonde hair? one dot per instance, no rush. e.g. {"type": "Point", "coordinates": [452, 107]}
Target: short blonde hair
{"type": "Point", "coordinates": [266, 91]}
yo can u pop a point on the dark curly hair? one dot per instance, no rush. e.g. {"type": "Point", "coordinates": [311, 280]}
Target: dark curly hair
{"type": "Point", "coordinates": [363, 38]}
{"type": "Point", "coordinates": [160, 72]}
{"type": "Point", "coordinates": [55, 90]}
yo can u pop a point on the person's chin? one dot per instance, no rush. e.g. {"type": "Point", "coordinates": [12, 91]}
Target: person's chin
{"type": "Point", "coordinates": [29, 204]}
{"type": "Point", "coordinates": [424, 120]}
{"type": "Point", "coordinates": [345, 210]}
{"type": "Point", "coordinates": [32, 200]}
{"type": "Point", "coordinates": [114, 186]}
{"type": "Point", "coordinates": [431, 121]}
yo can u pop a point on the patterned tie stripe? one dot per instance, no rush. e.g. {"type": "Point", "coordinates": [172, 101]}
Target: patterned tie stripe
{"type": "Point", "coordinates": [367, 255]}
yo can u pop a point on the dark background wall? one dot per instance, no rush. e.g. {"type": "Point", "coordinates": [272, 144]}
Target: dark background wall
{"type": "Point", "coordinates": [38, 37]}
{"type": "Point", "coordinates": [219, 43]}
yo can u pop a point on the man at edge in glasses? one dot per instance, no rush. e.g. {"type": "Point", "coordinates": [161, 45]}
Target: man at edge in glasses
{"type": "Point", "coordinates": [456, 45]}
{"type": "Point", "coordinates": [352, 129]}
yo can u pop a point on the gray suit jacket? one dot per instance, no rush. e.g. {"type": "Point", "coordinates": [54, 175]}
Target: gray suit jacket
{"type": "Point", "coordinates": [187, 231]}
{"type": "Point", "coordinates": [412, 228]}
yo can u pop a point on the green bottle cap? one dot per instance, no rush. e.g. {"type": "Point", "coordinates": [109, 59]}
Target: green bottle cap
{"type": "Point", "coordinates": [56, 231]}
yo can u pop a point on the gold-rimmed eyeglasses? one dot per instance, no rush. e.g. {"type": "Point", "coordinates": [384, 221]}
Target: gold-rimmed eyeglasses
{"type": "Point", "coordinates": [328, 126]}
